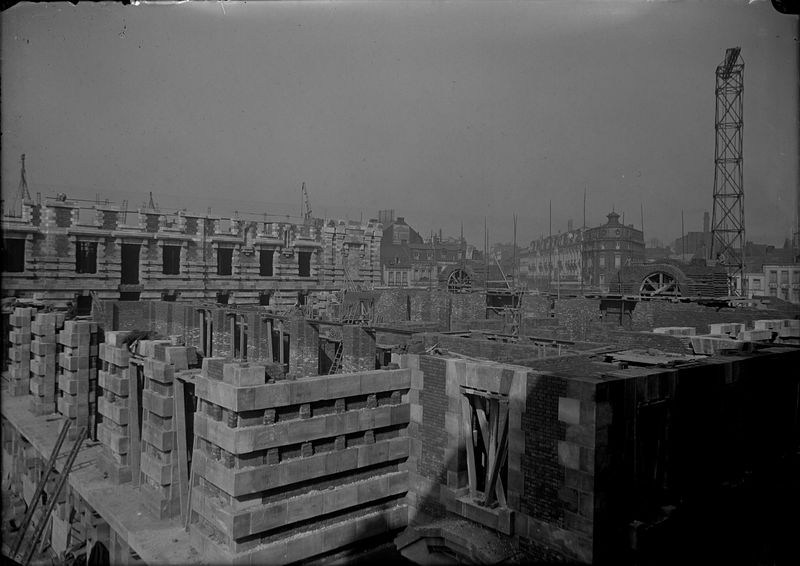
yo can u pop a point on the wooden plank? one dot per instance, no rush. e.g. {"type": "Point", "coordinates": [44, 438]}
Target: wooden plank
{"type": "Point", "coordinates": [466, 413]}
{"type": "Point", "coordinates": [180, 432]}
{"type": "Point", "coordinates": [499, 488]}
{"type": "Point", "coordinates": [270, 353]}
{"type": "Point", "coordinates": [134, 426]}
{"type": "Point", "coordinates": [482, 424]}
{"type": "Point", "coordinates": [280, 344]}
{"type": "Point", "coordinates": [491, 448]}
{"type": "Point", "coordinates": [497, 462]}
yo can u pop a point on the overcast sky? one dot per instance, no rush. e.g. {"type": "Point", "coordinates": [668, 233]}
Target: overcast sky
{"type": "Point", "coordinates": [444, 111]}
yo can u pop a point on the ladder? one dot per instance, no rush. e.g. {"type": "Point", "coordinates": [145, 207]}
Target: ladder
{"type": "Point", "coordinates": [51, 503]}
{"type": "Point", "coordinates": [337, 360]}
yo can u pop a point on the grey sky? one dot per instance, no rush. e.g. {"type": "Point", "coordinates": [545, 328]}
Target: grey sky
{"type": "Point", "coordinates": [443, 111]}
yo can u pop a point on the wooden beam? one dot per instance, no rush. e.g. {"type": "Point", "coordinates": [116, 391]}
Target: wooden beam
{"type": "Point", "coordinates": [496, 463]}
{"type": "Point", "coordinates": [270, 353]}
{"type": "Point", "coordinates": [134, 426]}
{"type": "Point", "coordinates": [466, 419]}
{"type": "Point", "coordinates": [280, 345]}
{"type": "Point", "coordinates": [499, 489]}
{"type": "Point", "coordinates": [182, 449]}
{"type": "Point", "coordinates": [491, 451]}
{"type": "Point", "coordinates": [233, 335]}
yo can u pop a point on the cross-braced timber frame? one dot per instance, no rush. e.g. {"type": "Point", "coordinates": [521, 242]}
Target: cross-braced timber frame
{"type": "Point", "coordinates": [727, 226]}
{"type": "Point", "coordinates": [485, 421]}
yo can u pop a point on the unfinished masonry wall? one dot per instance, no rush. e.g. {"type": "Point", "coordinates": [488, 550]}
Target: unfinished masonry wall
{"type": "Point", "coordinates": [159, 459]}
{"type": "Point", "coordinates": [113, 404]}
{"type": "Point", "coordinates": [550, 451]}
{"type": "Point", "coordinates": [295, 469]}
{"type": "Point", "coordinates": [79, 345]}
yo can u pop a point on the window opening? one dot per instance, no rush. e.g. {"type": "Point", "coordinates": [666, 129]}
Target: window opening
{"type": "Point", "coordinates": [14, 256]}
{"type": "Point", "coordinates": [171, 256]}
{"type": "Point", "coordinates": [224, 261]}
{"type": "Point", "coordinates": [86, 257]}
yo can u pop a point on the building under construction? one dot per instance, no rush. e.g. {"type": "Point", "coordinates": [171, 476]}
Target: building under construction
{"type": "Point", "coordinates": [410, 425]}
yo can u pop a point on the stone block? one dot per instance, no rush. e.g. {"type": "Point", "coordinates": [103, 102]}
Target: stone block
{"type": "Point", "coordinates": [72, 408]}
{"type": "Point", "coordinates": [158, 404]}
{"type": "Point", "coordinates": [43, 330]}
{"type": "Point", "coordinates": [41, 387]}
{"type": "Point", "coordinates": [754, 335]}
{"type": "Point", "coordinates": [213, 368]}
{"type": "Point", "coordinates": [244, 374]}
{"type": "Point", "coordinates": [117, 412]}
{"type": "Point", "coordinates": [162, 439]}
{"type": "Point", "coordinates": [44, 366]}
{"type": "Point", "coordinates": [118, 384]}
{"type": "Point", "coordinates": [676, 330]}
{"type": "Point", "coordinates": [177, 356]}
{"type": "Point", "coordinates": [774, 325]}
{"type": "Point", "coordinates": [73, 386]}
{"type": "Point", "coordinates": [19, 337]}
{"type": "Point", "coordinates": [159, 371]}
{"type": "Point", "coordinates": [710, 345]}
{"type": "Point", "coordinates": [73, 340]}
{"type": "Point", "coordinates": [155, 470]}
{"type": "Point", "coordinates": [119, 443]}
{"type": "Point", "coordinates": [569, 455]}
{"type": "Point", "coordinates": [116, 338]}
{"type": "Point", "coordinates": [73, 363]}
{"type": "Point", "coordinates": [729, 329]}
{"type": "Point", "coordinates": [569, 410]}
{"type": "Point", "coordinates": [43, 348]}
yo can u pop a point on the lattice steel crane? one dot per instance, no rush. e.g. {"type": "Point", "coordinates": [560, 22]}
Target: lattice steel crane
{"type": "Point", "coordinates": [727, 226]}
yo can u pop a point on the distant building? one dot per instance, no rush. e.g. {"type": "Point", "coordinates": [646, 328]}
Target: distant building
{"type": "Point", "coordinates": [61, 250]}
{"type": "Point", "coordinates": [772, 272]}
{"type": "Point", "coordinates": [555, 261]}
{"type": "Point", "coordinates": [396, 251]}
{"type": "Point", "coordinates": [407, 260]}
{"type": "Point", "coordinates": [582, 258]}
{"type": "Point", "coordinates": [775, 280]}
{"type": "Point", "coordinates": [609, 247]}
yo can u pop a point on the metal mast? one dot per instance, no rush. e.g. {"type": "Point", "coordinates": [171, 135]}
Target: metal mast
{"type": "Point", "coordinates": [22, 196]}
{"type": "Point", "coordinates": [727, 225]}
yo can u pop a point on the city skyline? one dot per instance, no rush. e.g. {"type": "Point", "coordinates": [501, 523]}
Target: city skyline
{"type": "Point", "coordinates": [444, 112]}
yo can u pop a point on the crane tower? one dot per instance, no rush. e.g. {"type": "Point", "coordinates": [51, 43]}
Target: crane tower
{"type": "Point", "coordinates": [727, 225]}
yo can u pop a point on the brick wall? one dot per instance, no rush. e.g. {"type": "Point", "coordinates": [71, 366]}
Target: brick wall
{"type": "Point", "coordinates": [303, 348]}
{"type": "Point", "coordinates": [432, 434]}
{"type": "Point", "coordinates": [557, 500]}
{"type": "Point", "coordinates": [358, 348]}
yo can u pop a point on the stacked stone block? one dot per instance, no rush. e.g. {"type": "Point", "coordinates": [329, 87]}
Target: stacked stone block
{"type": "Point", "coordinates": [44, 362]}
{"type": "Point", "coordinates": [19, 353]}
{"type": "Point", "coordinates": [114, 385]}
{"type": "Point", "coordinates": [289, 470]}
{"type": "Point", "coordinates": [159, 458]}
{"type": "Point", "coordinates": [77, 377]}
{"type": "Point", "coordinates": [784, 330]}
